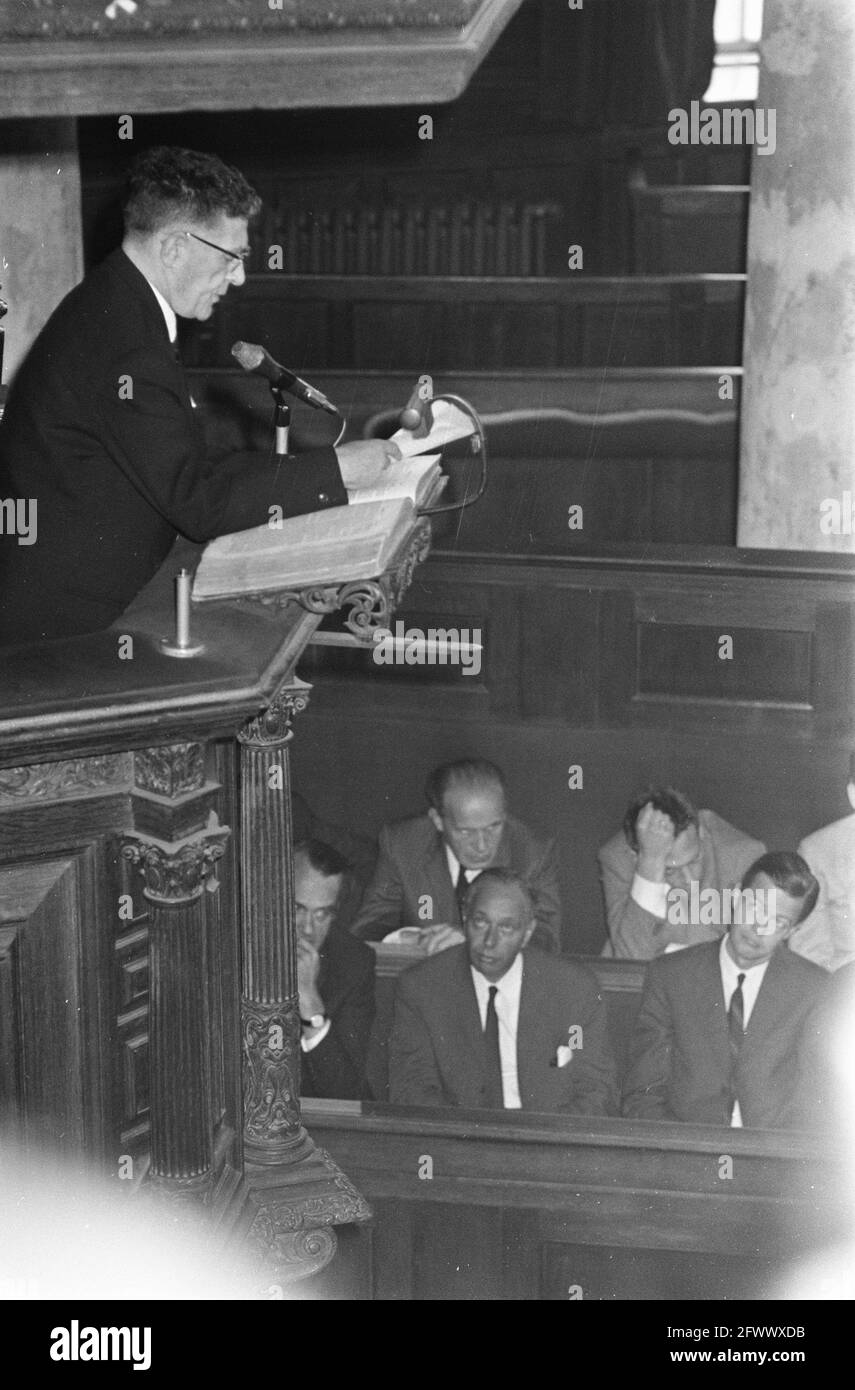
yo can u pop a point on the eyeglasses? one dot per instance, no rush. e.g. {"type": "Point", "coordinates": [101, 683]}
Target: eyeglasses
{"type": "Point", "coordinates": [242, 256]}
{"type": "Point", "coordinates": [318, 916]}
{"type": "Point", "coordinates": [472, 836]}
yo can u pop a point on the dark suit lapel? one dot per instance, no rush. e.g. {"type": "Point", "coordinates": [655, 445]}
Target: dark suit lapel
{"type": "Point", "coordinates": [711, 1012]}
{"type": "Point", "coordinates": [536, 1045]}
{"type": "Point", "coordinates": [439, 885]}
{"type": "Point", "coordinates": [767, 1005]}
{"type": "Point", "coordinates": [465, 1031]}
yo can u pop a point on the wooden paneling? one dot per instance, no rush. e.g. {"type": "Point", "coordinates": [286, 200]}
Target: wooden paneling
{"type": "Point", "coordinates": [681, 230]}
{"type": "Point", "coordinates": [455, 323]}
{"type": "Point", "coordinates": [526, 1207]}
{"type": "Point", "coordinates": [54, 1067]}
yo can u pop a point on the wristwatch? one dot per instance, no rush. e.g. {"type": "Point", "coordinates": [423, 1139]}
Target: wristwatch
{"type": "Point", "coordinates": [316, 1021]}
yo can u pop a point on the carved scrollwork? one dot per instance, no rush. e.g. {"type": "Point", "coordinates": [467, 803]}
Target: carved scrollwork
{"type": "Point", "coordinates": [67, 778]}
{"type": "Point", "coordinates": [417, 551]}
{"type": "Point", "coordinates": [170, 771]}
{"type": "Point", "coordinates": [271, 1048]}
{"type": "Point", "coordinates": [176, 873]}
{"type": "Point", "coordinates": [293, 1255]}
{"type": "Point", "coordinates": [371, 602]}
{"type": "Point", "coordinates": [273, 725]}
{"type": "Point", "coordinates": [292, 1224]}
{"type": "Point", "coordinates": [368, 607]}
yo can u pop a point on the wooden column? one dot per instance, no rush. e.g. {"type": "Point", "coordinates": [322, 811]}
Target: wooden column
{"type": "Point", "coordinates": [798, 400]}
{"type": "Point", "coordinates": [299, 1193]}
{"type": "Point", "coordinates": [270, 1019]}
{"type": "Point", "coordinates": [171, 792]}
{"type": "Point", "coordinates": [40, 226]}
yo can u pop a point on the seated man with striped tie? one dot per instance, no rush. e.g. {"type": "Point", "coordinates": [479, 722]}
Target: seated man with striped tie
{"type": "Point", "coordinates": [426, 863]}
{"type": "Point", "coordinates": [726, 1030]}
{"type": "Point", "coordinates": [495, 1023]}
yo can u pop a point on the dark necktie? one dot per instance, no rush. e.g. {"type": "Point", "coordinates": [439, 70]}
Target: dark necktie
{"type": "Point", "coordinates": [460, 889]}
{"type": "Point", "coordinates": [735, 1033]}
{"type": "Point", "coordinates": [494, 1098]}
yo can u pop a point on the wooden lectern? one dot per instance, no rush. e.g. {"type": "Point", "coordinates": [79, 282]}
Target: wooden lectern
{"type": "Point", "coordinates": [148, 996]}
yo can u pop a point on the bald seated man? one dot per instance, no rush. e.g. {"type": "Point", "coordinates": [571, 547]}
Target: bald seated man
{"type": "Point", "coordinates": [426, 863]}
{"type": "Point", "coordinates": [495, 1023]}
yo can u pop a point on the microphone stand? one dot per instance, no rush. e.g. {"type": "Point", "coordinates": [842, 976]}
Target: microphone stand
{"type": "Point", "coordinates": [281, 422]}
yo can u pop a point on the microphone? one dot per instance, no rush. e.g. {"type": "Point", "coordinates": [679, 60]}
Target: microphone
{"type": "Point", "coordinates": [417, 416]}
{"type": "Point", "coordinates": [254, 358]}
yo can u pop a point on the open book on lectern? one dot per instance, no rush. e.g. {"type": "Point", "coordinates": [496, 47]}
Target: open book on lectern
{"type": "Point", "coordinates": [337, 545]}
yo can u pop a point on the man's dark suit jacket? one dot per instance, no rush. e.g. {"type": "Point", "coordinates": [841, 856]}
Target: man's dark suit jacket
{"type": "Point", "coordinates": [680, 1067]}
{"type": "Point", "coordinates": [412, 886]}
{"type": "Point", "coordinates": [336, 1067]}
{"type": "Point", "coordinates": [436, 1050]}
{"type": "Point", "coordinates": [117, 479]}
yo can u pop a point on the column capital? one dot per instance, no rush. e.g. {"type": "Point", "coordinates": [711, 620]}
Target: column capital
{"type": "Point", "coordinates": [272, 726]}
{"type": "Point", "coordinates": [171, 770]}
{"type": "Point", "coordinates": [177, 873]}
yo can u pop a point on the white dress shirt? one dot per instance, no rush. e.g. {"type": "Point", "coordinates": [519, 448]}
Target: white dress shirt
{"type": "Point", "coordinates": [308, 1044]}
{"type": "Point", "coordinates": [730, 973]}
{"type": "Point", "coordinates": [168, 312]}
{"type": "Point", "coordinates": [508, 991]}
{"type": "Point", "coordinates": [653, 897]}
{"type": "Point", "coordinates": [454, 866]}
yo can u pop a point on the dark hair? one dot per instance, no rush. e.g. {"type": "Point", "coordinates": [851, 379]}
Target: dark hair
{"type": "Point", "coordinates": [676, 805]}
{"type": "Point", "coordinates": [472, 773]}
{"type": "Point", "coordinates": [789, 872]}
{"type": "Point", "coordinates": [167, 183]}
{"type": "Point", "coordinates": [323, 858]}
{"type": "Point", "coordinates": [505, 878]}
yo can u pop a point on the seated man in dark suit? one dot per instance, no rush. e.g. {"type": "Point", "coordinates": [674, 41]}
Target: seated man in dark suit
{"type": "Point", "coordinates": [100, 430]}
{"type": "Point", "coordinates": [725, 1031]}
{"type": "Point", "coordinates": [335, 979]}
{"type": "Point", "coordinates": [359, 851]}
{"type": "Point", "coordinates": [658, 871]}
{"type": "Point", "coordinates": [427, 863]}
{"type": "Point", "coordinates": [496, 1023]}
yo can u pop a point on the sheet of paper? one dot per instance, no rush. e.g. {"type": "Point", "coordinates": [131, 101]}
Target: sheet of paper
{"type": "Point", "coordinates": [449, 423]}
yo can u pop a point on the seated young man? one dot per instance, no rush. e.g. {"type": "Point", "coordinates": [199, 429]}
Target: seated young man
{"type": "Point", "coordinates": [496, 1023]}
{"type": "Point", "coordinates": [725, 1032]}
{"type": "Point", "coordinates": [657, 870]}
{"type": "Point", "coordinates": [335, 979]}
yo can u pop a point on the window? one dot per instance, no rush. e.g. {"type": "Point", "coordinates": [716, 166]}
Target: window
{"type": "Point", "coordinates": [738, 25]}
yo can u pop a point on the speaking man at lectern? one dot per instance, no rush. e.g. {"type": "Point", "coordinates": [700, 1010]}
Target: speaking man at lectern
{"type": "Point", "coordinates": [100, 429]}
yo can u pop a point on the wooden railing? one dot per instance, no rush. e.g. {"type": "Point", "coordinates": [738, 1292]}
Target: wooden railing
{"type": "Point", "coordinates": [473, 1205]}
{"type": "Point", "coordinates": [425, 322]}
